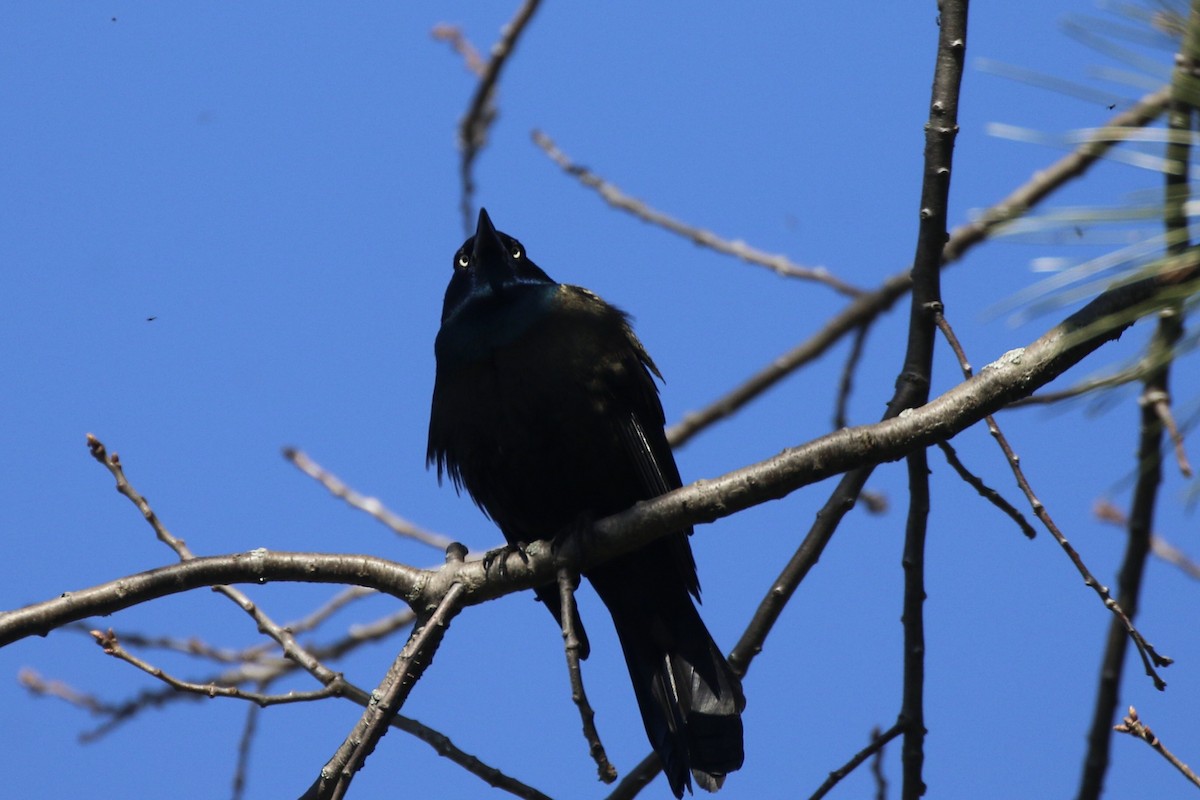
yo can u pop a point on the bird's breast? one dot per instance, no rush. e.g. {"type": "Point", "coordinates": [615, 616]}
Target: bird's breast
{"type": "Point", "coordinates": [526, 425]}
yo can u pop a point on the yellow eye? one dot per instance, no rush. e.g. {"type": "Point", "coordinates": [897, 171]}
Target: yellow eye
{"type": "Point", "coordinates": [463, 262]}
{"type": "Point", "coordinates": [516, 252]}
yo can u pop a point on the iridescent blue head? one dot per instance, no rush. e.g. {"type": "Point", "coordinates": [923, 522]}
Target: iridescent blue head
{"type": "Point", "coordinates": [495, 294]}
{"type": "Point", "coordinates": [489, 269]}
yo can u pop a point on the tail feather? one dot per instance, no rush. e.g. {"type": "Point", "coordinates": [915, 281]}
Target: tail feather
{"type": "Point", "coordinates": [691, 702]}
{"type": "Point", "coordinates": [714, 722]}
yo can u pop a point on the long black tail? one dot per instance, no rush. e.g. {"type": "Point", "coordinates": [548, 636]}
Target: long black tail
{"type": "Point", "coordinates": [691, 702]}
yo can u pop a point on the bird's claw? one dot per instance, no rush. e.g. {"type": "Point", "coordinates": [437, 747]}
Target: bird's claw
{"type": "Point", "coordinates": [500, 555]}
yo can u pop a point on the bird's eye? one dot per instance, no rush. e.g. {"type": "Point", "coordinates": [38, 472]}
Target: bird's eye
{"type": "Point", "coordinates": [516, 251]}
{"type": "Point", "coordinates": [463, 261]}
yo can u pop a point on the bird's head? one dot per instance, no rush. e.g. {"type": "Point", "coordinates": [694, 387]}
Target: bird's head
{"type": "Point", "coordinates": [490, 268]}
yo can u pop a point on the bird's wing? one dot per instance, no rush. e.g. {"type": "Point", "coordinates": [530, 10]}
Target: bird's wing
{"type": "Point", "coordinates": [641, 433]}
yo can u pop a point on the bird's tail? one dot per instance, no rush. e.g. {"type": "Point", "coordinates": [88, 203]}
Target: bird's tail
{"type": "Point", "coordinates": [691, 702]}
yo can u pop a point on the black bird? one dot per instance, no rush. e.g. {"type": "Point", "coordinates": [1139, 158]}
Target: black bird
{"type": "Point", "coordinates": [545, 409]}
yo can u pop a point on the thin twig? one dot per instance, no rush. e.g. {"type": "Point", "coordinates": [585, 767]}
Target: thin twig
{"type": "Point", "coordinates": [445, 748]}
{"type": "Point", "coordinates": [319, 615]}
{"type": "Point", "coordinates": [846, 384]}
{"type": "Point", "coordinates": [245, 745]}
{"type": "Point", "coordinates": [370, 505]}
{"type": "Point", "coordinates": [282, 636]}
{"type": "Point", "coordinates": [256, 666]}
{"type": "Point", "coordinates": [1105, 511]}
{"type": "Point", "coordinates": [262, 656]}
{"type": "Point", "coordinates": [881, 783]}
{"type": "Point", "coordinates": [987, 492]}
{"type": "Point", "coordinates": [481, 112]}
{"type": "Point", "coordinates": [453, 35]}
{"type": "Point", "coordinates": [1135, 727]}
{"type": "Point", "coordinates": [1150, 657]}
{"type": "Point", "coordinates": [803, 559]}
{"type": "Point", "coordinates": [1160, 402]}
{"type": "Point", "coordinates": [568, 581]}
{"type": "Point", "coordinates": [113, 463]}
{"type": "Point", "coordinates": [779, 264]}
{"type": "Point", "coordinates": [191, 647]}
{"type": "Point", "coordinates": [37, 685]}
{"type": "Point", "coordinates": [875, 748]}
{"type": "Point", "coordinates": [109, 643]}
{"type": "Point", "coordinates": [908, 394]}
{"type": "Point", "coordinates": [1135, 373]}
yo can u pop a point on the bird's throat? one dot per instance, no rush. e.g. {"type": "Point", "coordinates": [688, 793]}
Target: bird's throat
{"type": "Point", "coordinates": [489, 320]}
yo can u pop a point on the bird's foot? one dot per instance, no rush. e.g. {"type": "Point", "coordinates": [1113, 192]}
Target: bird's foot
{"type": "Point", "coordinates": [570, 543]}
{"type": "Point", "coordinates": [499, 557]}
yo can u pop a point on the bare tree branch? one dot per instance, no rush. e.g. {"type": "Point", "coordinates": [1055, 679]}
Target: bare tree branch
{"type": "Point", "coordinates": [987, 492]}
{"type": "Point", "coordinates": [281, 635]}
{"type": "Point", "coordinates": [111, 646]}
{"type": "Point", "coordinates": [637, 779]}
{"type": "Point", "coordinates": [481, 112]}
{"type": "Point", "coordinates": [916, 375]}
{"type": "Point", "coordinates": [335, 777]}
{"type": "Point", "coordinates": [878, 741]}
{"type": "Point", "coordinates": [1136, 728]}
{"type": "Point", "coordinates": [369, 505]}
{"type": "Point", "coordinates": [858, 314]}
{"type": "Point", "coordinates": [1150, 658]}
{"type": "Point", "coordinates": [1159, 546]}
{"type": "Point", "coordinates": [1160, 403]}
{"type": "Point", "coordinates": [1135, 373]}
{"type": "Point", "coordinates": [1154, 416]}
{"type": "Point", "coordinates": [779, 264]}
{"type": "Point", "coordinates": [568, 582]}
{"type": "Point", "coordinates": [453, 35]}
{"type": "Point", "coordinates": [846, 383]}
{"type": "Point", "coordinates": [1015, 374]}
{"type": "Point", "coordinates": [881, 783]}
{"type": "Point", "coordinates": [245, 745]}
{"type": "Point", "coordinates": [864, 309]}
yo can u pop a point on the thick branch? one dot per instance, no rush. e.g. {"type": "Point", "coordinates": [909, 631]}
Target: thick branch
{"type": "Point", "coordinates": [335, 777]}
{"type": "Point", "coordinates": [865, 308]}
{"type": "Point", "coordinates": [1015, 374]}
{"type": "Point", "coordinates": [912, 385]}
{"type": "Point", "coordinates": [1155, 390]}
{"type": "Point", "coordinates": [258, 566]}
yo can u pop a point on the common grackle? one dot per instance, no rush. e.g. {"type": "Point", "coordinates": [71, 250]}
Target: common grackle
{"type": "Point", "coordinates": [545, 409]}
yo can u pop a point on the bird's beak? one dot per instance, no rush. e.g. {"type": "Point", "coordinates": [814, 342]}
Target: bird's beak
{"type": "Point", "coordinates": [490, 254]}
{"type": "Point", "coordinates": [488, 247]}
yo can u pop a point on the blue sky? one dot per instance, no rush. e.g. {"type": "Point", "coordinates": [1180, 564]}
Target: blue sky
{"type": "Point", "coordinates": [277, 186]}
